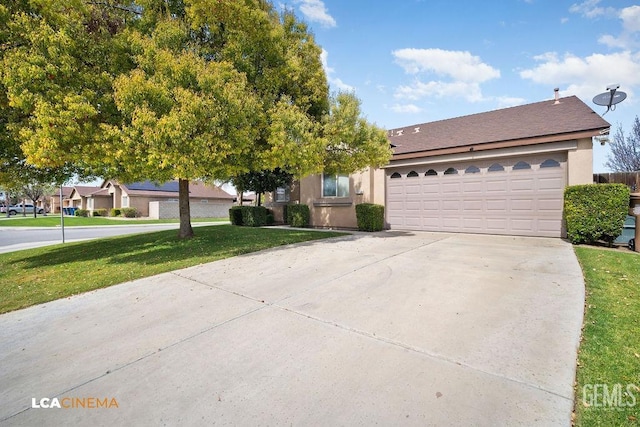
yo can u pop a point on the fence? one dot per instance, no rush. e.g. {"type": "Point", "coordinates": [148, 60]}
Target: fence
{"type": "Point", "coordinates": [632, 179]}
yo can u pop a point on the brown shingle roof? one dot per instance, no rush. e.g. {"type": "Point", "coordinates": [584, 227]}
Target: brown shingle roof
{"type": "Point", "coordinates": [539, 119]}
{"type": "Point", "coordinates": [84, 190]}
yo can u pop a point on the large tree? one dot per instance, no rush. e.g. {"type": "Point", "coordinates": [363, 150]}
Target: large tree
{"type": "Point", "coordinates": [625, 150]}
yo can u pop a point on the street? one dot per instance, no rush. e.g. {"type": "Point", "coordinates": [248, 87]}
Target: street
{"type": "Point", "coordinates": [17, 238]}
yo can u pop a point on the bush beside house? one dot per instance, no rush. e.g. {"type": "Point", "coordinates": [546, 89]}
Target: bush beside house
{"type": "Point", "coordinates": [595, 212]}
{"type": "Point", "coordinates": [115, 212]}
{"type": "Point", "coordinates": [81, 212]}
{"type": "Point", "coordinates": [129, 212]}
{"type": "Point", "coordinates": [370, 217]}
{"type": "Point", "coordinates": [100, 212]}
{"type": "Point", "coordinates": [298, 215]}
{"type": "Point", "coordinates": [250, 216]}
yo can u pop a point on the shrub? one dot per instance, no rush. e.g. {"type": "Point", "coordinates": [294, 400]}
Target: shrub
{"type": "Point", "coordinates": [285, 219]}
{"type": "Point", "coordinates": [298, 215]}
{"type": "Point", "coordinates": [235, 215]}
{"type": "Point", "coordinates": [271, 218]}
{"type": "Point", "coordinates": [99, 212]}
{"type": "Point", "coordinates": [370, 217]}
{"type": "Point", "coordinates": [129, 212]}
{"type": "Point", "coordinates": [254, 216]}
{"type": "Point", "coordinates": [595, 212]}
{"type": "Point", "coordinates": [250, 216]}
{"type": "Point", "coordinates": [82, 212]}
{"type": "Point", "coordinates": [114, 212]}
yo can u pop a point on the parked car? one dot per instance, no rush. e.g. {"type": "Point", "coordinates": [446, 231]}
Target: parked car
{"type": "Point", "coordinates": [16, 209]}
{"type": "Point", "coordinates": [628, 233]}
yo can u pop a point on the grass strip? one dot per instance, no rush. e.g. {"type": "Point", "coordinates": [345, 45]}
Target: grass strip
{"type": "Point", "coordinates": [44, 274]}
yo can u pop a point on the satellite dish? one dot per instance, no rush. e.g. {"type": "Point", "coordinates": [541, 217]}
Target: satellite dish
{"type": "Point", "coordinates": [610, 99]}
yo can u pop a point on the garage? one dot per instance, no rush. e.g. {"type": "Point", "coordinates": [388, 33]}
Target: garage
{"type": "Point", "coordinates": [514, 196]}
{"type": "Point", "coordinates": [498, 172]}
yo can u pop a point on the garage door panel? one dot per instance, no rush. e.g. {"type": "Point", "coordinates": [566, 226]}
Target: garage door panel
{"type": "Point", "coordinates": [522, 202]}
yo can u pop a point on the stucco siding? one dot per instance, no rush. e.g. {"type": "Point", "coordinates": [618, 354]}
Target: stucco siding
{"type": "Point", "coordinates": [580, 163]}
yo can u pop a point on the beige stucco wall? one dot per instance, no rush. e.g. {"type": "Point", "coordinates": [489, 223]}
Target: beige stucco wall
{"type": "Point", "coordinates": [340, 212]}
{"type": "Point", "coordinates": [580, 163]}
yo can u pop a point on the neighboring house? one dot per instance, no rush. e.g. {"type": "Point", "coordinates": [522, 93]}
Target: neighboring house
{"type": "Point", "coordinates": [161, 200]}
{"type": "Point", "coordinates": [499, 172]}
{"type": "Point", "coordinates": [51, 202]}
{"type": "Point", "coordinates": [79, 196]}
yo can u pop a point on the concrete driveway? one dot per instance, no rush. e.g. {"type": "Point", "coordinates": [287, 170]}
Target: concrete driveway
{"type": "Point", "coordinates": [390, 329]}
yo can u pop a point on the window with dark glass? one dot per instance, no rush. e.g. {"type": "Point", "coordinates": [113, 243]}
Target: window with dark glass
{"type": "Point", "coordinates": [472, 169]}
{"type": "Point", "coordinates": [521, 166]}
{"type": "Point", "coordinates": [335, 185]}
{"type": "Point", "coordinates": [431, 172]}
{"type": "Point", "coordinates": [451, 171]}
{"type": "Point", "coordinates": [496, 167]}
{"type": "Point", "coordinates": [550, 163]}
{"type": "Point", "coordinates": [412, 174]}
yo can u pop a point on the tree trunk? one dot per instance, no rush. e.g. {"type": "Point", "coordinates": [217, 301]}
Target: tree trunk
{"type": "Point", "coordinates": [35, 208]}
{"type": "Point", "coordinates": [186, 232]}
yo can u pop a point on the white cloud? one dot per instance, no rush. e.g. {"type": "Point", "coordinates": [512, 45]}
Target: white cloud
{"type": "Point", "coordinates": [438, 89]}
{"type": "Point", "coordinates": [333, 81]}
{"type": "Point", "coordinates": [458, 65]}
{"type": "Point", "coordinates": [564, 20]}
{"type": "Point", "coordinates": [591, 9]}
{"type": "Point", "coordinates": [406, 108]}
{"type": "Point", "coordinates": [459, 74]}
{"type": "Point", "coordinates": [586, 77]}
{"type": "Point", "coordinates": [630, 17]}
{"type": "Point", "coordinates": [316, 11]}
{"type": "Point", "coordinates": [509, 101]}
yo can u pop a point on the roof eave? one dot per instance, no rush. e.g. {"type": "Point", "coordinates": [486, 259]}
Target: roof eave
{"type": "Point", "coordinates": [500, 144]}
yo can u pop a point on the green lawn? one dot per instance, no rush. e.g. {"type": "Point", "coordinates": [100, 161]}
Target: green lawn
{"type": "Point", "coordinates": [74, 221]}
{"type": "Point", "coordinates": [39, 275]}
{"type": "Point", "coordinates": [608, 376]}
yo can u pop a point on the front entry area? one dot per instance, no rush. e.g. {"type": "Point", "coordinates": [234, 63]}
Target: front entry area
{"type": "Point", "coordinates": [520, 196]}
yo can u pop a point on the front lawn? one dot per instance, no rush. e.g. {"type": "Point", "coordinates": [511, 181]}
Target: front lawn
{"type": "Point", "coordinates": [608, 375]}
{"type": "Point", "coordinates": [44, 274]}
{"type": "Point", "coordinates": [75, 221]}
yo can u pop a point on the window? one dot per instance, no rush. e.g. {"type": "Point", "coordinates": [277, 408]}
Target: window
{"type": "Point", "coordinates": [472, 169]}
{"type": "Point", "coordinates": [496, 167]}
{"type": "Point", "coordinates": [431, 172]}
{"type": "Point", "coordinates": [89, 202]}
{"type": "Point", "coordinates": [549, 163]}
{"type": "Point", "coordinates": [521, 166]}
{"type": "Point", "coordinates": [412, 174]}
{"type": "Point", "coordinates": [395, 175]}
{"type": "Point", "coordinates": [451, 171]}
{"type": "Point", "coordinates": [204, 201]}
{"type": "Point", "coordinates": [335, 185]}
{"type": "Point", "coordinates": [125, 201]}
{"type": "Point", "coordinates": [282, 194]}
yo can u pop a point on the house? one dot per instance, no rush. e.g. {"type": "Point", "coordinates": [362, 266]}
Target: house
{"type": "Point", "coordinates": [160, 201]}
{"type": "Point", "coordinates": [51, 202]}
{"type": "Point", "coordinates": [81, 197]}
{"type": "Point", "coordinates": [498, 172]}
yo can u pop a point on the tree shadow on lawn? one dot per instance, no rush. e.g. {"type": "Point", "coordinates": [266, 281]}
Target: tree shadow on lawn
{"type": "Point", "coordinates": [209, 244]}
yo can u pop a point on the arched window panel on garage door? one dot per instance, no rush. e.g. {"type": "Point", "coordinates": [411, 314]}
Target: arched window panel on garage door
{"type": "Point", "coordinates": [412, 174]}
{"type": "Point", "coordinates": [496, 167]}
{"type": "Point", "coordinates": [395, 175]}
{"type": "Point", "coordinates": [472, 169]}
{"type": "Point", "coordinates": [521, 166]}
{"type": "Point", "coordinates": [549, 163]}
{"type": "Point", "coordinates": [431, 172]}
{"type": "Point", "coordinates": [451, 171]}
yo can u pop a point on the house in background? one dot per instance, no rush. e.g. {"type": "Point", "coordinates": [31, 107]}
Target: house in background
{"type": "Point", "coordinates": [51, 202]}
{"type": "Point", "coordinates": [160, 201]}
{"type": "Point", "coordinates": [82, 196]}
{"type": "Point", "coordinates": [498, 172]}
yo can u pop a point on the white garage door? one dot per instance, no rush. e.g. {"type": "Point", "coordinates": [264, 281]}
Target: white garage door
{"type": "Point", "coordinates": [520, 196]}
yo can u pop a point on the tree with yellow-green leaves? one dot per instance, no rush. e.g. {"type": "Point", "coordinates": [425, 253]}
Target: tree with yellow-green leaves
{"type": "Point", "coordinates": [174, 89]}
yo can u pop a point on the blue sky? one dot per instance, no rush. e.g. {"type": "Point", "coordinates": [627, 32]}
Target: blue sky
{"type": "Point", "coordinates": [416, 61]}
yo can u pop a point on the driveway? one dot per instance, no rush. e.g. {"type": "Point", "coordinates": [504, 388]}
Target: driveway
{"type": "Point", "coordinates": [391, 328]}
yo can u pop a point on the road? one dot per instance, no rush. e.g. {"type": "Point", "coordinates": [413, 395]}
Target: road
{"type": "Point", "coordinates": [17, 238]}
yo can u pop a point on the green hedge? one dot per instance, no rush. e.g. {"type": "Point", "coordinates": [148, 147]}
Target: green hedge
{"type": "Point", "coordinates": [370, 217]}
{"type": "Point", "coordinates": [82, 212]}
{"type": "Point", "coordinates": [114, 212]}
{"type": "Point", "coordinates": [99, 212]}
{"type": "Point", "coordinates": [250, 216]}
{"type": "Point", "coordinates": [298, 215]}
{"type": "Point", "coordinates": [595, 212]}
{"type": "Point", "coordinates": [129, 212]}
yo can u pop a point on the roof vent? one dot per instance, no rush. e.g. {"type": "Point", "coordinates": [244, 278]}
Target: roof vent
{"type": "Point", "coordinates": [556, 92]}
{"type": "Point", "coordinates": [399, 132]}
{"type": "Point", "coordinates": [416, 130]}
